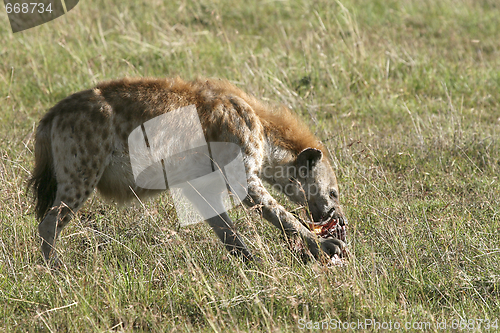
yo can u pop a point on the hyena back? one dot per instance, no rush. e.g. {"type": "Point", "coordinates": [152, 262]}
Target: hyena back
{"type": "Point", "coordinates": [81, 144]}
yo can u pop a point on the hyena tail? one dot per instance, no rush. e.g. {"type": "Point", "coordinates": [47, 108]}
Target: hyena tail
{"type": "Point", "coordinates": [43, 181]}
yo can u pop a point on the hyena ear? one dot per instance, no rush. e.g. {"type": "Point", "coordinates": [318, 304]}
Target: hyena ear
{"type": "Point", "coordinates": [307, 159]}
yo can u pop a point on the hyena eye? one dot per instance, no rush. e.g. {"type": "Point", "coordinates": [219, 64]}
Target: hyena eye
{"type": "Point", "coordinates": [334, 194]}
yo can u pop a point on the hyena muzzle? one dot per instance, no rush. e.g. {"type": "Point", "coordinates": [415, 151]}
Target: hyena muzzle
{"type": "Point", "coordinates": [82, 144]}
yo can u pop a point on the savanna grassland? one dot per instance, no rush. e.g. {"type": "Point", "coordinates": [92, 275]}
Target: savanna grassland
{"type": "Point", "coordinates": [405, 94]}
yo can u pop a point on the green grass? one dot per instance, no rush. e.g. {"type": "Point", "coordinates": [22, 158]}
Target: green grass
{"type": "Point", "coordinates": [406, 96]}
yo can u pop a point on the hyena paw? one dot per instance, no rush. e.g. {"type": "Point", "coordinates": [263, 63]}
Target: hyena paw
{"type": "Point", "coordinates": [53, 262]}
{"type": "Point", "coordinates": [245, 255]}
{"type": "Point", "coordinates": [331, 247]}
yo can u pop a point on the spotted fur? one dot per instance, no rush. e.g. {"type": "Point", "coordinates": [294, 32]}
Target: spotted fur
{"type": "Point", "coordinates": [81, 144]}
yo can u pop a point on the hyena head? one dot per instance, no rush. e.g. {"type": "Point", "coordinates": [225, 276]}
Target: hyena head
{"type": "Point", "coordinates": [312, 182]}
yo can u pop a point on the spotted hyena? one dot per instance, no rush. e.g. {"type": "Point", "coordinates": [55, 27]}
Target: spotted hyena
{"type": "Point", "coordinates": [82, 144]}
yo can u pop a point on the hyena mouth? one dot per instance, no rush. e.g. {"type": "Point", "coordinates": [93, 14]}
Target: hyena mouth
{"type": "Point", "coordinates": [335, 227]}
{"type": "Point", "coordinates": [326, 218]}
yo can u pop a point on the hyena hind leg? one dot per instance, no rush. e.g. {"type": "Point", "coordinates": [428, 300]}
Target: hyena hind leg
{"type": "Point", "coordinates": [68, 201]}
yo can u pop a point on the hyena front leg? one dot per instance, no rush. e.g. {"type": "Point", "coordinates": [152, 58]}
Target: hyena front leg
{"type": "Point", "coordinates": [286, 222]}
{"type": "Point", "coordinates": [224, 229]}
{"type": "Point", "coordinates": [208, 200]}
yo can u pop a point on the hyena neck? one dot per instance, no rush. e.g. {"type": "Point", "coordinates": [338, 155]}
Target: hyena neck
{"type": "Point", "coordinates": [279, 161]}
{"type": "Point", "coordinates": [285, 135]}
{"type": "Point", "coordinates": [282, 146]}
{"type": "Point", "coordinates": [278, 155]}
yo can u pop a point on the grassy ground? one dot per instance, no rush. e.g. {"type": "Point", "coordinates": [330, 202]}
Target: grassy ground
{"type": "Point", "coordinates": [404, 93]}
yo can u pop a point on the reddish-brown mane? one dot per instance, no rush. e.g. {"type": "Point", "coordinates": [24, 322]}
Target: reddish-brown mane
{"type": "Point", "coordinates": [287, 130]}
{"type": "Point", "coordinates": [281, 126]}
